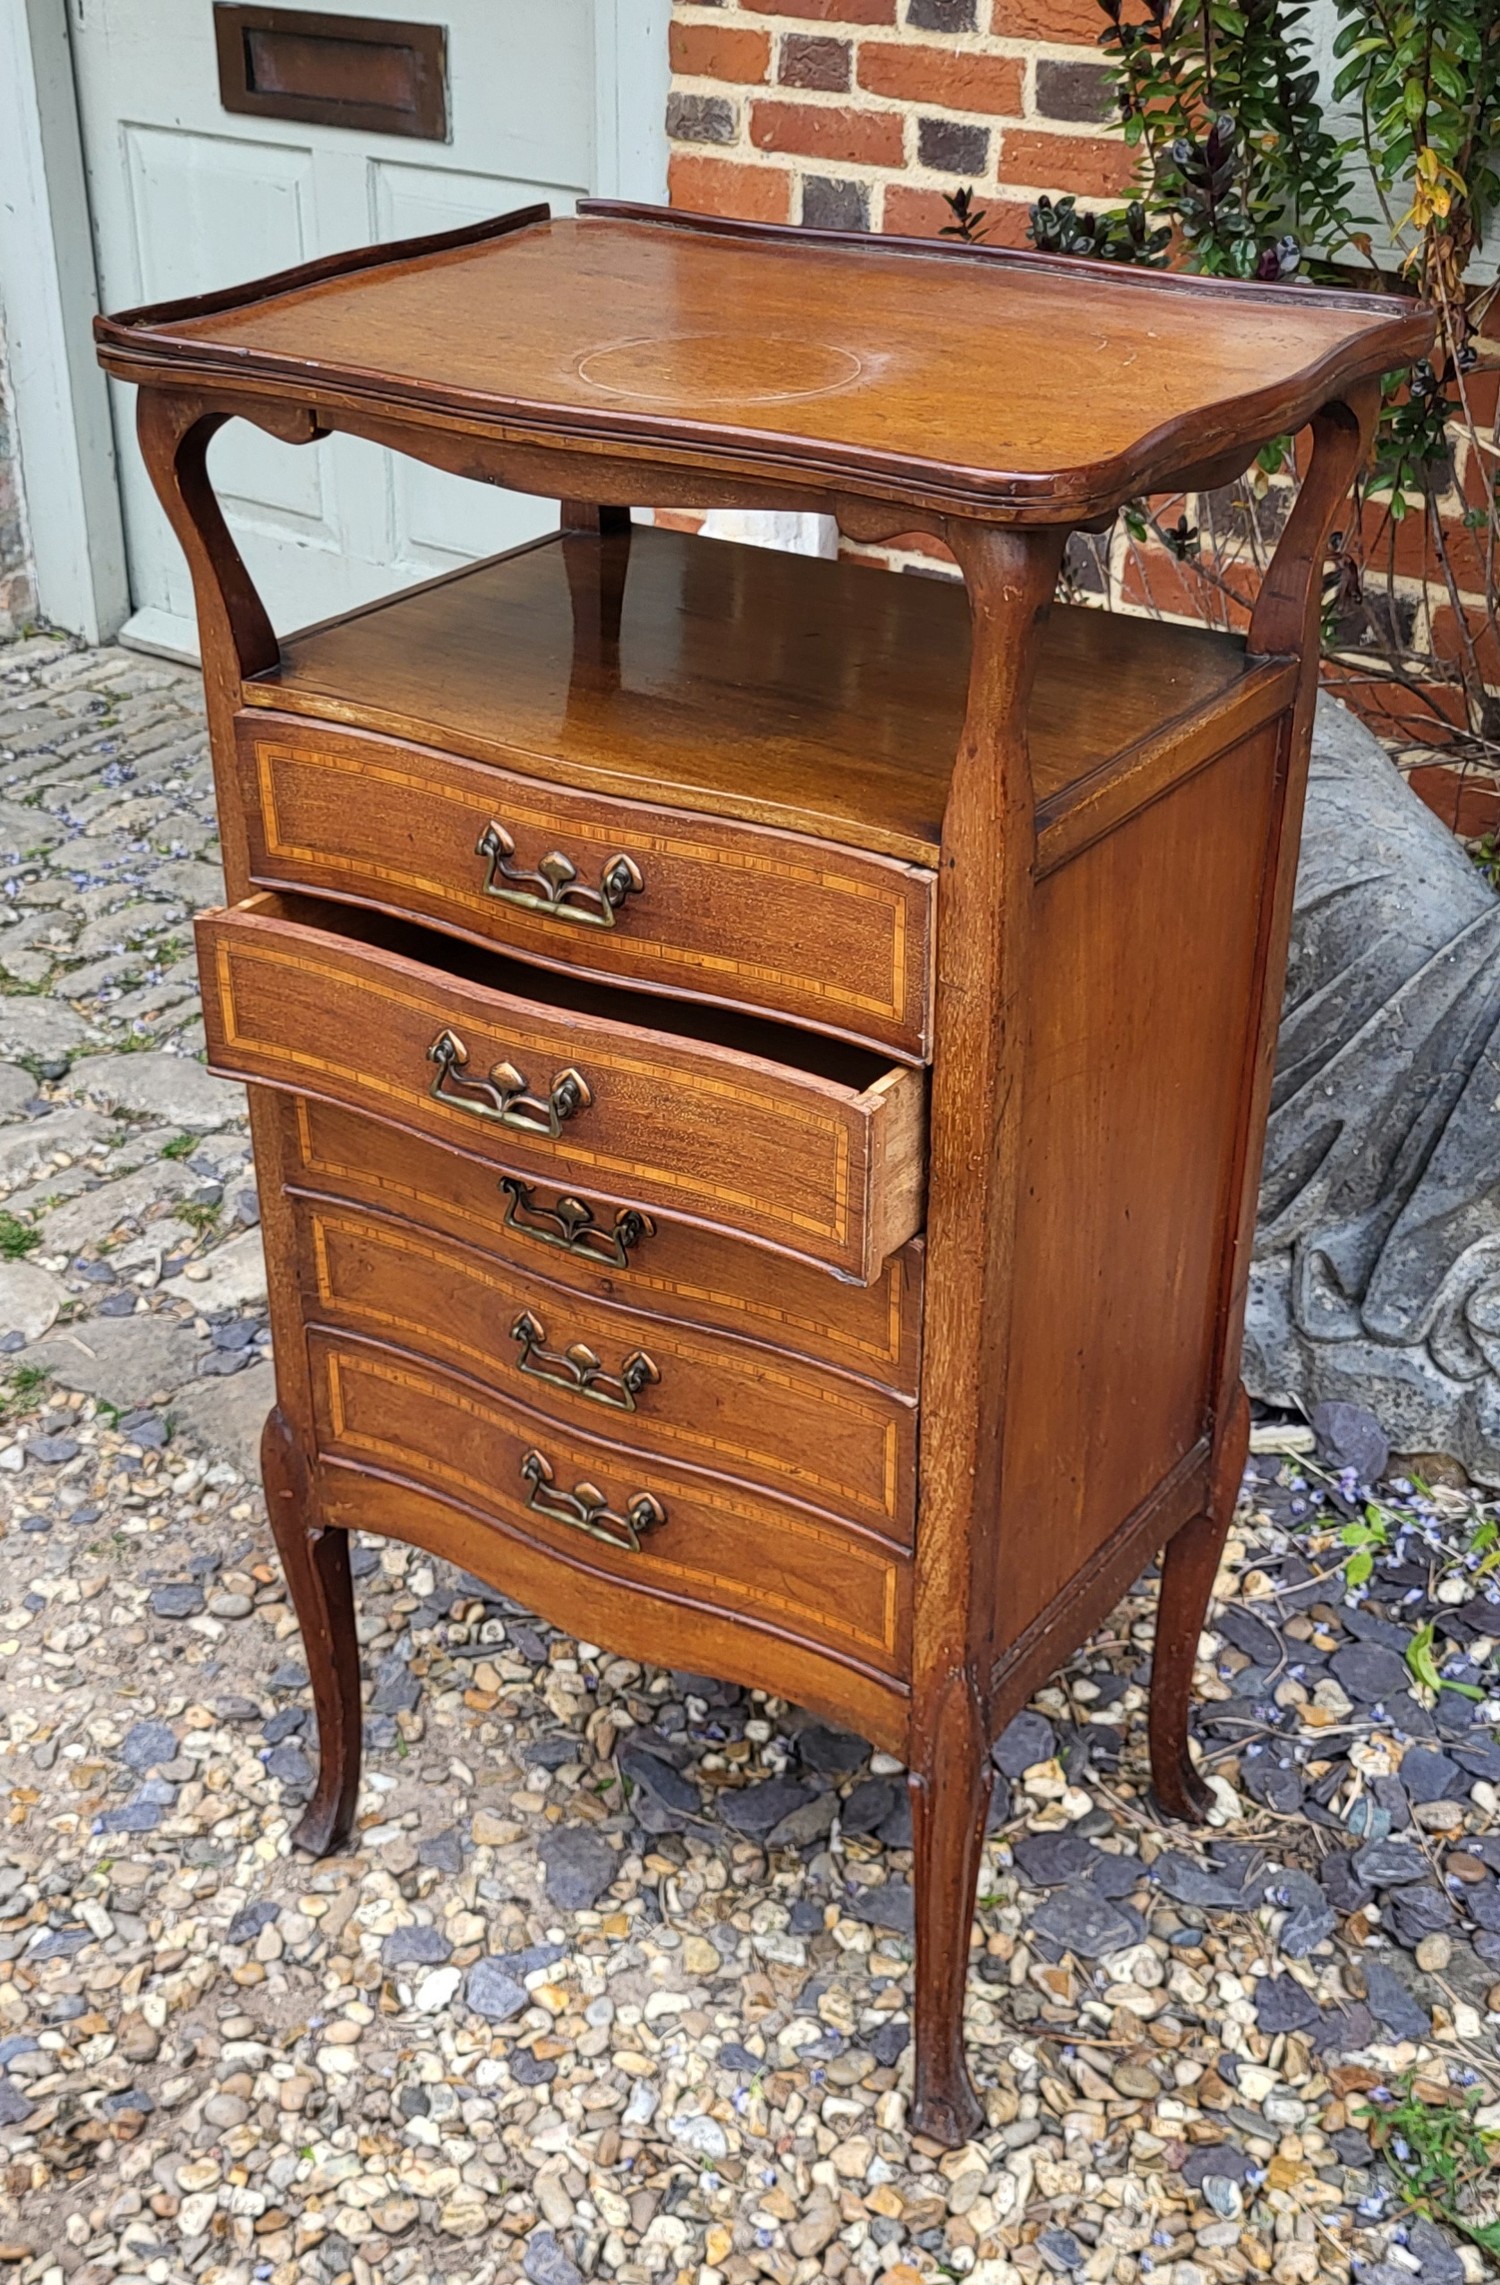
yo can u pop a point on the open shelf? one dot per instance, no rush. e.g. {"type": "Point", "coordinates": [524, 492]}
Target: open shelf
{"type": "Point", "coordinates": [821, 697]}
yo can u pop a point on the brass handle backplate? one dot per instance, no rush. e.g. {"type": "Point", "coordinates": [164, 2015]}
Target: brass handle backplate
{"type": "Point", "coordinates": [554, 888]}
{"type": "Point", "coordinates": [578, 1369]}
{"type": "Point", "coordinates": [503, 1095]}
{"type": "Point", "coordinates": [570, 1225]}
{"type": "Point", "coordinates": [586, 1509]}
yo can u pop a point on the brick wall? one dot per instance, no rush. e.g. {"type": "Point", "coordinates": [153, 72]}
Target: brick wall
{"type": "Point", "coordinates": [859, 114]}
{"type": "Point", "coordinates": [17, 592]}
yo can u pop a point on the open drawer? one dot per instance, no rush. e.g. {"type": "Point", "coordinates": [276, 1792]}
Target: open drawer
{"type": "Point", "coordinates": [791, 1139]}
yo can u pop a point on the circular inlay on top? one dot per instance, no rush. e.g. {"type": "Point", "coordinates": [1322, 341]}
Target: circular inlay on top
{"type": "Point", "coordinates": [689, 370]}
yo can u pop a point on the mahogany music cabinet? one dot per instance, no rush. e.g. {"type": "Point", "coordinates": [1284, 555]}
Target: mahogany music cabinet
{"type": "Point", "coordinates": [758, 1066]}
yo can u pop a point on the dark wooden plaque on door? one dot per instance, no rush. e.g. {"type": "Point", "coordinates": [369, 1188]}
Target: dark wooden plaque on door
{"type": "Point", "coordinates": [334, 71]}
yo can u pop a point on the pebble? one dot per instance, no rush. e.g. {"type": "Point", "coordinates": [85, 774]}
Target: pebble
{"type": "Point", "coordinates": [578, 1866]}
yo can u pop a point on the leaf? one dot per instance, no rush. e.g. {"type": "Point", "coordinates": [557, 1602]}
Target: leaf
{"type": "Point", "coordinates": [1420, 1660]}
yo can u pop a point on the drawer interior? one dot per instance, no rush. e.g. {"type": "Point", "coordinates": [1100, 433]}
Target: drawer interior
{"type": "Point", "coordinates": [856, 1068]}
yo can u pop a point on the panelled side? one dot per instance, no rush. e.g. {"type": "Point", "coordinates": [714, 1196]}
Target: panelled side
{"type": "Point", "coordinates": [1136, 1090]}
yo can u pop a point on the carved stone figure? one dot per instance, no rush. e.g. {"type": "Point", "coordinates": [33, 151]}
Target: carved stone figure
{"type": "Point", "coordinates": [1377, 1270]}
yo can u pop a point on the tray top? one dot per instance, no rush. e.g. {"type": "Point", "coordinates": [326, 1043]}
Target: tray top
{"type": "Point", "coordinates": [968, 378]}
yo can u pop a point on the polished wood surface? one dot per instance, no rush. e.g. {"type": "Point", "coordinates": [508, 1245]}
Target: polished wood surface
{"type": "Point", "coordinates": [961, 379]}
{"type": "Point", "coordinates": [655, 1263]}
{"type": "Point", "coordinates": [819, 1153]}
{"type": "Point", "coordinates": [707, 909]}
{"type": "Point", "coordinates": [1127, 1155]}
{"type": "Point", "coordinates": [750, 684]}
{"type": "Point", "coordinates": [586, 1599]}
{"type": "Point", "coordinates": [631, 1255]}
{"type": "Point", "coordinates": [701, 1398]}
{"type": "Point", "coordinates": [713, 1544]}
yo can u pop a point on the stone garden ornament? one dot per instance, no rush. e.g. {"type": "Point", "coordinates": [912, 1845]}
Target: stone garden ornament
{"type": "Point", "coordinates": [1377, 1271]}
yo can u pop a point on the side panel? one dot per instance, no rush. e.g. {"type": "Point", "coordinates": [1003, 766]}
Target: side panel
{"type": "Point", "coordinates": [1143, 1006]}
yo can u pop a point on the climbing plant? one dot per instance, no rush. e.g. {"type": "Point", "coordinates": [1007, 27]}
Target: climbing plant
{"type": "Point", "coordinates": [1250, 165]}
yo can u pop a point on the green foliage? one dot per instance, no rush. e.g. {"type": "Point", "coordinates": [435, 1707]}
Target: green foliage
{"type": "Point", "coordinates": [1241, 174]}
{"type": "Point", "coordinates": [1124, 236]}
{"type": "Point", "coordinates": [16, 1237]}
{"type": "Point", "coordinates": [1421, 1658]}
{"type": "Point", "coordinates": [1366, 1536]}
{"type": "Point", "coordinates": [1441, 2159]}
{"type": "Point", "coordinates": [181, 1146]}
{"type": "Point", "coordinates": [23, 1384]}
{"type": "Point", "coordinates": [1426, 74]}
{"type": "Point", "coordinates": [1222, 103]}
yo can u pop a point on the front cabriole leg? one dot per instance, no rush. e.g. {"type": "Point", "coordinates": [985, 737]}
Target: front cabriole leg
{"type": "Point", "coordinates": [950, 1799]}
{"type": "Point", "coordinates": [315, 1558]}
{"type": "Point", "coordinates": [984, 930]}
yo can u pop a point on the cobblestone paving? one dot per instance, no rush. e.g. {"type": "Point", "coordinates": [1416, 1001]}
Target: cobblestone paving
{"type": "Point", "coordinates": [616, 1984]}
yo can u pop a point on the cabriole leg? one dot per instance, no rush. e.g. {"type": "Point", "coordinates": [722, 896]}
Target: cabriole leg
{"type": "Point", "coordinates": [950, 1792]}
{"type": "Point", "coordinates": [1187, 1578]}
{"type": "Point", "coordinates": [316, 1562]}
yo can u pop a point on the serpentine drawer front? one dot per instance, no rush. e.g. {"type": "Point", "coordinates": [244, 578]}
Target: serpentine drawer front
{"type": "Point", "coordinates": [604, 1252]}
{"type": "Point", "coordinates": [824, 1160]}
{"type": "Point", "coordinates": [669, 1390]}
{"type": "Point", "coordinates": [664, 899]}
{"type": "Point", "coordinates": [681, 1536]}
{"type": "Point", "coordinates": [759, 1067]}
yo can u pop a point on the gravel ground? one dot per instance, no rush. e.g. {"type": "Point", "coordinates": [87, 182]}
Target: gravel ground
{"type": "Point", "coordinates": [616, 1983]}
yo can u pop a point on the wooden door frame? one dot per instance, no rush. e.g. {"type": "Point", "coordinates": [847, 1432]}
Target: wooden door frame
{"type": "Point", "coordinates": [64, 427]}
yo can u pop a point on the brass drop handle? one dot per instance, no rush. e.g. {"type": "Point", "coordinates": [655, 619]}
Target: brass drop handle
{"type": "Point", "coordinates": [586, 1509]}
{"type": "Point", "coordinates": [554, 887]}
{"type": "Point", "coordinates": [578, 1369]}
{"type": "Point", "coordinates": [570, 1225]}
{"type": "Point", "coordinates": [503, 1095]}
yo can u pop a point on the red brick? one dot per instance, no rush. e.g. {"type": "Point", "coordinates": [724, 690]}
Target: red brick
{"type": "Point", "coordinates": [913, 213]}
{"type": "Point", "coordinates": [1482, 390]}
{"type": "Point", "coordinates": [1407, 548]}
{"type": "Point", "coordinates": [827, 11]}
{"type": "Point", "coordinates": [1152, 579]}
{"type": "Point", "coordinates": [1483, 636]}
{"type": "Point", "coordinates": [729, 187]}
{"type": "Point", "coordinates": [716, 51]}
{"type": "Point", "coordinates": [1394, 711]}
{"type": "Point", "coordinates": [808, 61]}
{"type": "Point", "coordinates": [829, 131]}
{"type": "Point", "coordinates": [1467, 800]}
{"type": "Point", "coordinates": [1075, 23]}
{"type": "Point", "coordinates": [1096, 166]}
{"type": "Point", "coordinates": [943, 76]}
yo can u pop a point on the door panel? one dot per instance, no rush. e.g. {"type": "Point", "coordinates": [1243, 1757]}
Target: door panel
{"type": "Point", "coordinates": [211, 205]}
{"type": "Point", "coordinates": [187, 196]}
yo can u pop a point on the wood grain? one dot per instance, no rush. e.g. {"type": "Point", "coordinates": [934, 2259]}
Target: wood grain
{"type": "Point", "coordinates": [983, 980]}
{"type": "Point", "coordinates": [719, 1547]}
{"type": "Point", "coordinates": [866, 364]}
{"type": "Point", "coordinates": [1103, 810]}
{"type": "Point", "coordinates": [1128, 1158]}
{"type": "Point", "coordinates": [767, 1419]}
{"type": "Point", "coordinates": [773, 922]}
{"type": "Point", "coordinates": [674, 1272]}
{"type": "Point", "coordinates": [818, 698]}
{"type": "Point", "coordinates": [586, 1602]}
{"type": "Point", "coordinates": [794, 1155]}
